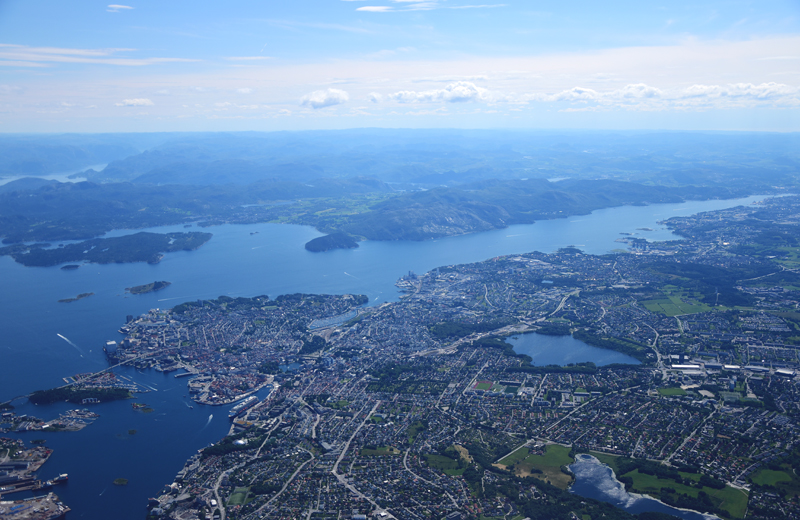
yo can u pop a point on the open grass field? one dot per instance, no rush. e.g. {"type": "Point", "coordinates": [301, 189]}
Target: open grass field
{"type": "Point", "coordinates": [483, 385]}
{"type": "Point", "coordinates": [770, 477]}
{"type": "Point", "coordinates": [380, 451]}
{"type": "Point", "coordinates": [239, 496]}
{"type": "Point", "coordinates": [441, 462]}
{"type": "Point", "coordinates": [515, 457]}
{"type": "Point", "coordinates": [671, 391]}
{"type": "Point", "coordinates": [674, 306]}
{"type": "Point", "coordinates": [549, 464]}
{"type": "Point", "coordinates": [732, 500]}
{"type": "Point", "coordinates": [608, 460]}
{"type": "Point", "coordinates": [783, 479]}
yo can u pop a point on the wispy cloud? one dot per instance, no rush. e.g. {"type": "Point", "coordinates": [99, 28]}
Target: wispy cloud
{"type": "Point", "coordinates": [324, 98]}
{"type": "Point", "coordinates": [38, 56]}
{"type": "Point", "coordinates": [375, 8]}
{"type": "Point", "coordinates": [698, 96]}
{"type": "Point", "coordinates": [416, 5]}
{"type": "Point", "coordinates": [137, 102]}
{"type": "Point", "coordinates": [115, 8]}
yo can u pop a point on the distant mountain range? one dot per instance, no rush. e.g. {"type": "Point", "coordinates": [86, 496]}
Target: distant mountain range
{"type": "Point", "coordinates": [372, 183]}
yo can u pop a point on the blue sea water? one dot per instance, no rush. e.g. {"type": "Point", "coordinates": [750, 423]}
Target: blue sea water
{"type": "Point", "coordinates": [240, 260]}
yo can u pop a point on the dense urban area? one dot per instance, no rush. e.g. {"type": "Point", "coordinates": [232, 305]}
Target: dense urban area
{"type": "Point", "coordinates": [422, 409]}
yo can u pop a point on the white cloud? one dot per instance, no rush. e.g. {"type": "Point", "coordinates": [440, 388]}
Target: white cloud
{"type": "Point", "coordinates": [375, 8]}
{"type": "Point", "coordinates": [636, 91]}
{"type": "Point", "coordinates": [244, 90]}
{"type": "Point", "coordinates": [115, 8]}
{"type": "Point", "coordinates": [646, 97]}
{"type": "Point", "coordinates": [137, 102]}
{"type": "Point", "coordinates": [577, 94]}
{"type": "Point", "coordinates": [763, 91]}
{"type": "Point", "coordinates": [324, 98]}
{"type": "Point", "coordinates": [458, 92]}
{"type": "Point", "coordinates": [375, 97]}
{"type": "Point", "coordinates": [700, 91]}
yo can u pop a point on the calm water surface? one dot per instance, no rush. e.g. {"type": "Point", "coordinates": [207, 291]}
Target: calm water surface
{"type": "Point", "coordinates": [594, 479]}
{"type": "Point", "coordinates": [242, 260]}
{"type": "Point", "coordinates": [562, 350]}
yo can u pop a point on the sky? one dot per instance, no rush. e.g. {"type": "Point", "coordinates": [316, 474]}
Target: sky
{"type": "Point", "coordinates": [91, 66]}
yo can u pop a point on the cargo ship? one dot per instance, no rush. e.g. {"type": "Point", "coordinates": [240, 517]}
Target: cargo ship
{"type": "Point", "coordinates": [242, 407]}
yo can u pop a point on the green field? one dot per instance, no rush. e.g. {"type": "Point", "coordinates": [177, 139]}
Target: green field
{"type": "Point", "coordinates": [515, 457]}
{"type": "Point", "coordinates": [784, 479]}
{"type": "Point", "coordinates": [441, 462]}
{"type": "Point", "coordinates": [732, 500]}
{"type": "Point", "coordinates": [379, 451]}
{"type": "Point", "coordinates": [239, 496]}
{"type": "Point", "coordinates": [769, 477]}
{"type": "Point", "coordinates": [414, 429]}
{"type": "Point", "coordinates": [673, 306]}
{"type": "Point", "coordinates": [671, 391]}
{"type": "Point", "coordinates": [608, 460]}
{"type": "Point", "coordinates": [483, 385]}
{"type": "Point", "coordinates": [549, 464]}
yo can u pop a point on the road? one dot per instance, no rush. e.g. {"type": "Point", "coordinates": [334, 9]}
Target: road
{"type": "Point", "coordinates": [341, 478]}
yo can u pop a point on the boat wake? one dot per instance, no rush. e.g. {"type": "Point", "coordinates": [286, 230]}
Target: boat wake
{"type": "Point", "coordinates": [71, 343]}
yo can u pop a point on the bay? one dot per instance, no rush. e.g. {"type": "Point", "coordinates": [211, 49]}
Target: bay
{"type": "Point", "coordinates": [240, 260]}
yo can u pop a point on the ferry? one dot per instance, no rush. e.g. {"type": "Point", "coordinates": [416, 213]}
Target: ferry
{"type": "Point", "coordinates": [243, 407]}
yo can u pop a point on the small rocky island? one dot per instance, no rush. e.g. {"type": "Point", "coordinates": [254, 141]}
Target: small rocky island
{"type": "Point", "coordinates": [332, 241]}
{"type": "Point", "coordinates": [79, 297]}
{"type": "Point", "coordinates": [147, 288]}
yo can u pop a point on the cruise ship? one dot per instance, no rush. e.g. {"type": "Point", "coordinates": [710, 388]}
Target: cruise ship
{"type": "Point", "coordinates": [242, 407]}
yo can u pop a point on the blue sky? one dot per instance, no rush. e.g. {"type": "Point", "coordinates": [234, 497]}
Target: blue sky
{"type": "Point", "coordinates": [261, 65]}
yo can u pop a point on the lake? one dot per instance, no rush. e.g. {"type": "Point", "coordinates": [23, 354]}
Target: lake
{"type": "Point", "coordinates": [594, 479]}
{"type": "Point", "coordinates": [562, 350]}
{"type": "Point", "coordinates": [240, 260]}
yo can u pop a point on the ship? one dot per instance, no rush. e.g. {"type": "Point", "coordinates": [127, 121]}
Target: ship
{"type": "Point", "coordinates": [48, 484]}
{"type": "Point", "coordinates": [242, 407]}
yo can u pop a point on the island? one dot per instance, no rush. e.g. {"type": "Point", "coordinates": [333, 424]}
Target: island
{"type": "Point", "coordinates": [332, 241]}
{"type": "Point", "coordinates": [79, 297]}
{"type": "Point", "coordinates": [138, 247]}
{"type": "Point", "coordinates": [69, 267]}
{"type": "Point", "coordinates": [80, 395]}
{"type": "Point", "coordinates": [120, 482]}
{"type": "Point", "coordinates": [149, 287]}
